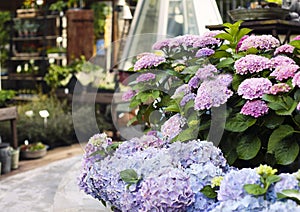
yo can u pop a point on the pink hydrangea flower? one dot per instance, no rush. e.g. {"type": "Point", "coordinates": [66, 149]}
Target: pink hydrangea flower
{"type": "Point", "coordinates": [279, 88]}
{"type": "Point", "coordinates": [148, 61]}
{"type": "Point", "coordinates": [181, 91]}
{"type": "Point", "coordinates": [238, 46]}
{"type": "Point", "coordinates": [296, 80]}
{"type": "Point", "coordinates": [212, 33]}
{"type": "Point", "coordinates": [206, 72]}
{"type": "Point", "coordinates": [127, 96]}
{"type": "Point", "coordinates": [204, 52]}
{"type": "Point", "coordinates": [212, 93]}
{"type": "Point", "coordinates": [255, 108]}
{"type": "Point", "coordinates": [281, 61]}
{"type": "Point", "coordinates": [254, 88]}
{"type": "Point", "coordinates": [145, 77]}
{"type": "Point", "coordinates": [251, 64]}
{"type": "Point", "coordinates": [284, 49]}
{"type": "Point", "coordinates": [206, 42]}
{"type": "Point", "coordinates": [159, 45]}
{"type": "Point", "coordinates": [284, 72]}
{"type": "Point", "coordinates": [261, 42]}
{"type": "Point", "coordinates": [173, 126]}
{"type": "Point", "coordinates": [296, 38]}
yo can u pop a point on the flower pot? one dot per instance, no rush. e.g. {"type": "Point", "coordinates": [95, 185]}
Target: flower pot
{"type": "Point", "coordinates": [27, 154]}
{"type": "Point", "coordinates": [5, 158]}
{"type": "Point", "coordinates": [15, 155]}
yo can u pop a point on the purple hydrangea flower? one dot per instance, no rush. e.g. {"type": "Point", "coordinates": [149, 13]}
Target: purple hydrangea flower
{"type": "Point", "coordinates": [163, 44]}
{"type": "Point", "coordinates": [261, 42]}
{"type": "Point", "coordinates": [173, 126]}
{"type": "Point", "coordinates": [206, 72]}
{"type": "Point", "coordinates": [212, 93]}
{"type": "Point", "coordinates": [296, 80]}
{"type": "Point", "coordinates": [187, 98]}
{"type": "Point", "coordinates": [127, 96]}
{"type": "Point", "coordinates": [181, 91]}
{"type": "Point", "coordinates": [238, 46]}
{"type": "Point", "coordinates": [148, 61]}
{"type": "Point", "coordinates": [279, 206]}
{"type": "Point", "coordinates": [206, 42]}
{"type": "Point", "coordinates": [284, 72]}
{"type": "Point", "coordinates": [251, 64]}
{"type": "Point", "coordinates": [284, 49]}
{"type": "Point", "coordinates": [255, 108]}
{"type": "Point", "coordinates": [139, 144]}
{"type": "Point", "coordinates": [279, 88]}
{"type": "Point", "coordinates": [254, 88]}
{"type": "Point", "coordinates": [296, 38]}
{"type": "Point", "coordinates": [145, 77]}
{"type": "Point", "coordinates": [167, 190]}
{"type": "Point", "coordinates": [194, 82]}
{"type": "Point", "coordinates": [288, 181]}
{"type": "Point", "coordinates": [281, 61]}
{"type": "Point", "coordinates": [245, 204]}
{"type": "Point", "coordinates": [212, 33]}
{"type": "Point", "coordinates": [225, 79]}
{"type": "Point", "coordinates": [231, 187]}
{"type": "Point", "coordinates": [204, 52]}
{"type": "Point", "coordinates": [187, 40]}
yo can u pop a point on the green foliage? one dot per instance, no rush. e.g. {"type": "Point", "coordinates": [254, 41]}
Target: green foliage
{"type": "Point", "coordinates": [59, 128]}
{"type": "Point", "coordinates": [130, 177]}
{"type": "Point", "coordinates": [101, 11]}
{"type": "Point", "coordinates": [4, 35]}
{"type": "Point", "coordinates": [6, 95]}
{"type": "Point", "coordinates": [58, 6]}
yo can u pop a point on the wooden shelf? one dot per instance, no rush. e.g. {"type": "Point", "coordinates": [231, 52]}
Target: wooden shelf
{"type": "Point", "coordinates": [40, 17]}
{"type": "Point", "coordinates": [33, 38]}
{"type": "Point", "coordinates": [21, 76]}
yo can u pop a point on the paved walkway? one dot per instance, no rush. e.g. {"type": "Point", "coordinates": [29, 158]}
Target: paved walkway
{"type": "Point", "coordinates": [52, 187]}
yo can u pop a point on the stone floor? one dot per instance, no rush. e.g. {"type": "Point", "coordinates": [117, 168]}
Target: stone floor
{"type": "Point", "coordinates": [51, 187]}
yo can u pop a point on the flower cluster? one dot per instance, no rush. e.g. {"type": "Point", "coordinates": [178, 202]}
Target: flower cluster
{"type": "Point", "coordinates": [162, 177]}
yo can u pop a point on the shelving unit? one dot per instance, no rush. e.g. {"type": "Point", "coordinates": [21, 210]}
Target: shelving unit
{"type": "Point", "coordinates": [31, 38]}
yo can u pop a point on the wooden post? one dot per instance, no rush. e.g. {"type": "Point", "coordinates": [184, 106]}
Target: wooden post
{"type": "Point", "coordinates": [10, 114]}
{"type": "Point", "coordinates": [80, 34]}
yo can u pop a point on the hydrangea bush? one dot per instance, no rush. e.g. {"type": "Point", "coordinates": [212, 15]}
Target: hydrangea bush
{"type": "Point", "coordinates": [254, 77]}
{"type": "Point", "coordinates": [245, 88]}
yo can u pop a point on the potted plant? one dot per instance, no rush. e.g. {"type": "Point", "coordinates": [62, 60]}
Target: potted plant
{"type": "Point", "coordinates": [6, 96]}
{"type": "Point", "coordinates": [58, 7]}
{"type": "Point", "coordinates": [33, 151]}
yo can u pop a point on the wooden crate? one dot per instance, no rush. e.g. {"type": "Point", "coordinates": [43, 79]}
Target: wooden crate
{"type": "Point", "coordinates": [28, 13]}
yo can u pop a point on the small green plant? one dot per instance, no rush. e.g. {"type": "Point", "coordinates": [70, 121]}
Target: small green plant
{"type": "Point", "coordinates": [58, 6]}
{"type": "Point", "coordinates": [6, 95]}
{"type": "Point", "coordinates": [4, 36]}
{"type": "Point", "coordinates": [101, 11]}
{"type": "Point", "coordinates": [33, 147]}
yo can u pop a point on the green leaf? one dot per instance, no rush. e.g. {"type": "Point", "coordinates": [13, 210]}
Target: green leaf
{"type": "Point", "coordinates": [271, 98]}
{"type": "Point", "coordinates": [295, 43]}
{"type": "Point", "coordinates": [280, 133]}
{"type": "Point", "coordinates": [187, 134]}
{"type": "Point", "coordinates": [220, 54]}
{"type": "Point", "coordinates": [254, 189]}
{"type": "Point", "coordinates": [290, 194]}
{"type": "Point", "coordinates": [173, 107]}
{"type": "Point", "coordinates": [191, 70]}
{"type": "Point", "coordinates": [248, 147]}
{"type": "Point", "coordinates": [286, 152]}
{"type": "Point", "coordinates": [209, 192]}
{"type": "Point", "coordinates": [236, 81]}
{"type": "Point", "coordinates": [272, 179]}
{"type": "Point", "coordinates": [297, 95]}
{"type": "Point", "coordinates": [242, 32]}
{"type": "Point", "coordinates": [225, 63]}
{"type": "Point", "coordinates": [239, 123]}
{"type": "Point", "coordinates": [98, 152]}
{"type": "Point", "coordinates": [289, 111]}
{"type": "Point", "coordinates": [273, 121]}
{"type": "Point", "coordinates": [129, 176]}
{"type": "Point", "coordinates": [225, 36]}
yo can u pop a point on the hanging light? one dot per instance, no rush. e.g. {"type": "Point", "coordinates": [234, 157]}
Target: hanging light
{"type": "Point", "coordinates": [39, 2]}
{"type": "Point", "coordinates": [126, 13]}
